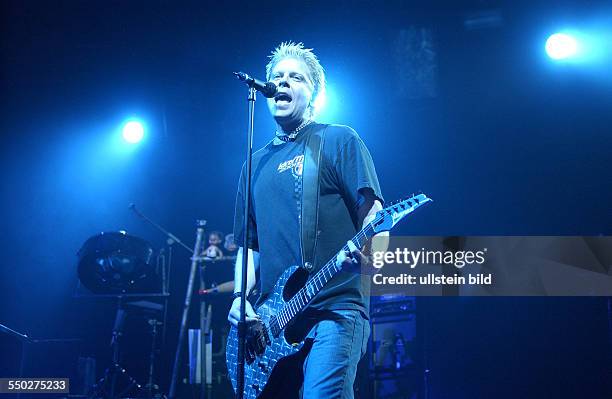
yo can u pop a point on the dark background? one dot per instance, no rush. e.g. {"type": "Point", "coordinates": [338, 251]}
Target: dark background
{"type": "Point", "coordinates": [510, 144]}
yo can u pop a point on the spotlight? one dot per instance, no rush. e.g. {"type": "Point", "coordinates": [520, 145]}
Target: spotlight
{"type": "Point", "coordinates": [133, 132]}
{"type": "Point", "coordinates": [561, 46]}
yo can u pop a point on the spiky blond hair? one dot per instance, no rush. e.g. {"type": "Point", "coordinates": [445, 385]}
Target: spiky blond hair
{"type": "Point", "coordinates": [296, 50]}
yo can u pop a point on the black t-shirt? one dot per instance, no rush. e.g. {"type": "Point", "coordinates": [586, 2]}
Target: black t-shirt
{"type": "Point", "coordinates": [345, 168]}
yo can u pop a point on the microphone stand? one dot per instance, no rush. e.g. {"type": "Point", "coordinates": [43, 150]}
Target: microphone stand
{"type": "Point", "coordinates": [245, 248]}
{"type": "Point", "coordinates": [158, 227]}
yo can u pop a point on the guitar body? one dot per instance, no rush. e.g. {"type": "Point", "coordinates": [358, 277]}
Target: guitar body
{"type": "Point", "coordinates": [275, 372]}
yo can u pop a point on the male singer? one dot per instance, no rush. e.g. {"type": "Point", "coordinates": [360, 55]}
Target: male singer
{"type": "Point", "coordinates": [349, 197]}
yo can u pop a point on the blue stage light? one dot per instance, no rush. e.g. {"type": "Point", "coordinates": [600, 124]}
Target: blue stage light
{"type": "Point", "coordinates": [562, 46]}
{"type": "Point", "coordinates": [133, 132]}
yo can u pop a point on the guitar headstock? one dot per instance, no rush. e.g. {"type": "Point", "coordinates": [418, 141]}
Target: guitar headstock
{"type": "Point", "coordinates": [387, 218]}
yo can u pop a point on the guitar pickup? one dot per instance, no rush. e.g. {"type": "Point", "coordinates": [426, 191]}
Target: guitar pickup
{"type": "Point", "coordinates": [266, 335]}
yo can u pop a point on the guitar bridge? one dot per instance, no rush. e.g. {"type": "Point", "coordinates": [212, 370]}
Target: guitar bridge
{"type": "Point", "coordinates": [266, 335]}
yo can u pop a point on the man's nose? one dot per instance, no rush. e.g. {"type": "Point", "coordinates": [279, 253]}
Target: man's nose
{"type": "Point", "coordinates": [284, 81]}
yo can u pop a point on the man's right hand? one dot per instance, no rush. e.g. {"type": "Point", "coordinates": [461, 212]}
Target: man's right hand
{"type": "Point", "coordinates": [234, 314]}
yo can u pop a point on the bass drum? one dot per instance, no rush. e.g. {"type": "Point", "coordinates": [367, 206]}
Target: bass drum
{"type": "Point", "coordinates": [117, 263]}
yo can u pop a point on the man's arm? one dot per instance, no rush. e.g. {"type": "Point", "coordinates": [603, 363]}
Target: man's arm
{"type": "Point", "coordinates": [379, 242]}
{"type": "Point", "coordinates": [252, 265]}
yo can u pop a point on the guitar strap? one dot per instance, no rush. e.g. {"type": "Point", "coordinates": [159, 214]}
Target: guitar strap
{"type": "Point", "coordinates": [310, 195]}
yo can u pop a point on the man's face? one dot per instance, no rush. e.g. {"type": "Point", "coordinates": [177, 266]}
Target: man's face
{"type": "Point", "coordinates": [295, 90]}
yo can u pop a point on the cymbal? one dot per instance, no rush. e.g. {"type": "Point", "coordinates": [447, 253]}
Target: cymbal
{"type": "Point", "coordinates": [116, 263]}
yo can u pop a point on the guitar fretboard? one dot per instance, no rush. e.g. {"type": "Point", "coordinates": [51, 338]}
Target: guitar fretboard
{"type": "Point", "coordinates": [316, 283]}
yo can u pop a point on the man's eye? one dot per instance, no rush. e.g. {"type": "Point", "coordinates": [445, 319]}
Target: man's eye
{"type": "Point", "coordinates": [297, 78]}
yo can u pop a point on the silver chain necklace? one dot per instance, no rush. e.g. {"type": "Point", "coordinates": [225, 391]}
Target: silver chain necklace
{"type": "Point", "coordinates": [291, 136]}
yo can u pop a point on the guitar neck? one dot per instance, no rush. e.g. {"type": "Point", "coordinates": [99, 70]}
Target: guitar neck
{"type": "Point", "coordinates": [385, 220]}
{"type": "Point", "coordinates": [318, 281]}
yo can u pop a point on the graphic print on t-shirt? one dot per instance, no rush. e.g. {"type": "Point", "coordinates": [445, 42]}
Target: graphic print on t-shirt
{"type": "Point", "coordinates": [296, 165]}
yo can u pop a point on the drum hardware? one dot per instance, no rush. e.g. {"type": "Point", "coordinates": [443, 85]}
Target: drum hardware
{"type": "Point", "coordinates": [106, 387]}
{"type": "Point", "coordinates": [196, 259]}
{"type": "Point", "coordinates": [118, 265]}
{"type": "Point", "coordinates": [151, 387]}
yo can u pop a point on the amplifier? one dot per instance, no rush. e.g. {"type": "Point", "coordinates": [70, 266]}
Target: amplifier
{"type": "Point", "coordinates": [391, 305]}
{"type": "Point", "coordinates": [393, 354]}
{"type": "Point", "coordinates": [393, 337]}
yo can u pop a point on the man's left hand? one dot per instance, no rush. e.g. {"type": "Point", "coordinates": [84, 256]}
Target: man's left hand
{"type": "Point", "coordinates": [353, 259]}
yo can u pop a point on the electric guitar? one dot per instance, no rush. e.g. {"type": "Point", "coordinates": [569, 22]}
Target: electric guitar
{"type": "Point", "coordinates": [265, 372]}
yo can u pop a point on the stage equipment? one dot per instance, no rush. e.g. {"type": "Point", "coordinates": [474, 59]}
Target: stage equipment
{"type": "Point", "coordinates": [560, 46]}
{"type": "Point", "coordinates": [151, 312]}
{"type": "Point", "coordinates": [51, 357]}
{"type": "Point", "coordinates": [268, 89]}
{"type": "Point", "coordinates": [116, 263]}
{"type": "Point", "coordinates": [216, 286]}
{"type": "Point", "coordinates": [394, 361]}
{"type": "Point", "coordinates": [21, 337]}
{"type": "Point", "coordinates": [133, 132]}
{"type": "Point", "coordinates": [195, 260]}
{"type": "Point", "coordinates": [241, 333]}
{"type": "Point", "coordinates": [106, 387]}
{"type": "Point", "coordinates": [171, 237]}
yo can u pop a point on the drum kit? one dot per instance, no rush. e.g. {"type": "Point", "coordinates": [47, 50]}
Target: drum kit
{"type": "Point", "coordinates": [121, 266]}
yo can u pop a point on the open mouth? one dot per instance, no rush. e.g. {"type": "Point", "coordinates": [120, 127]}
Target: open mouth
{"type": "Point", "coordinates": [282, 97]}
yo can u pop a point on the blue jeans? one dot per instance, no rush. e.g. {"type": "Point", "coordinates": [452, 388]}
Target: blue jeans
{"type": "Point", "coordinates": [338, 343]}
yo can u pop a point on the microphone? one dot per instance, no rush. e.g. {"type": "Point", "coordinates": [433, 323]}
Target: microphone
{"type": "Point", "coordinates": [268, 89]}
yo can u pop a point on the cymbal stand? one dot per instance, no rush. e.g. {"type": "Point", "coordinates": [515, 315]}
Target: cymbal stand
{"type": "Point", "coordinates": [151, 386]}
{"type": "Point", "coordinates": [115, 370]}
